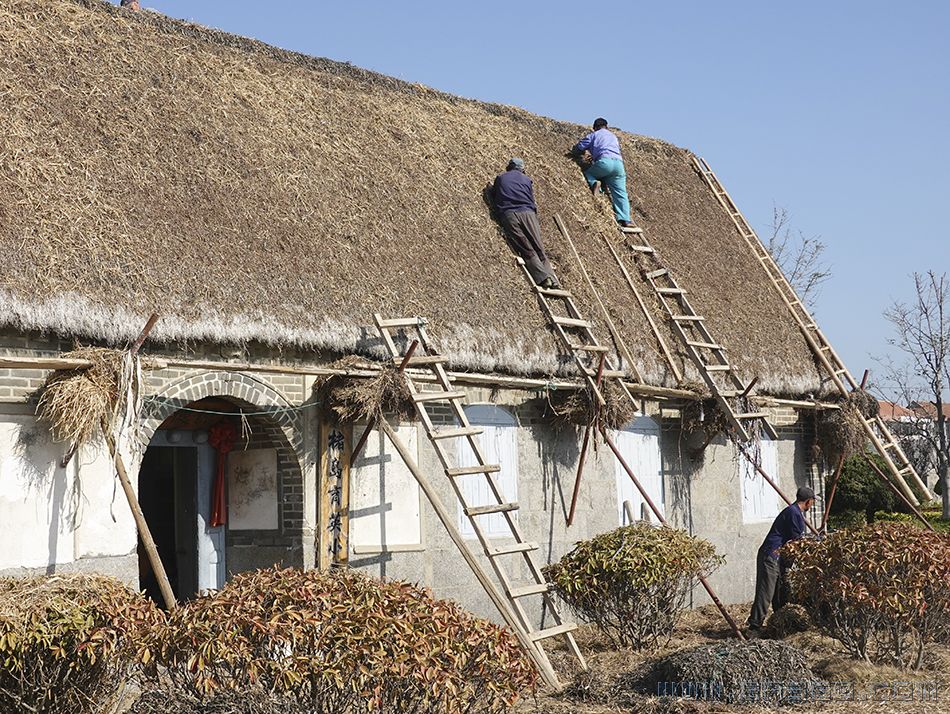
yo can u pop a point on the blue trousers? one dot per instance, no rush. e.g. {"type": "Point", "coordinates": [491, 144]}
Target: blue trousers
{"type": "Point", "coordinates": [611, 174]}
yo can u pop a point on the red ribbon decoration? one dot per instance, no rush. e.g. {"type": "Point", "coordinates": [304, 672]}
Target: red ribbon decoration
{"type": "Point", "coordinates": [222, 437]}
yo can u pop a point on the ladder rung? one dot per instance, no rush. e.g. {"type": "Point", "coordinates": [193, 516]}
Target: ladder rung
{"type": "Point", "coordinates": [642, 248]}
{"type": "Point", "coordinates": [420, 360]}
{"type": "Point", "coordinates": [466, 470]}
{"type": "Point", "coordinates": [589, 348]}
{"type": "Point", "coordinates": [571, 322]}
{"type": "Point", "coordinates": [526, 590]}
{"type": "Point", "coordinates": [706, 345]}
{"type": "Point", "coordinates": [688, 318]}
{"type": "Point", "coordinates": [454, 432]}
{"type": "Point", "coordinates": [630, 229]}
{"type": "Point", "coordinates": [717, 367]}
{"type": "Point", "coordinates": [890, 445]}
{"type": "Point", "coordinates": [554, 292]}
{"type": "Point", "coordinates": [493, 508]}
{"type": "Point", "coordinates": [752, 415]}
{"type": "Point", "coordinates": [403, 322]}
{"type": "Point", "coordinates": [671, 291]}
{"type": "Point", "coordinates": [513, 548]}
{"type": "Point", "coordinates": [607, 374]}
{"type": "Point", "coordinates": [657, 273]}
{"type": "Point", "coordinates": [437, 396]}
{"type": "Point", "coordinates": [552, 631]}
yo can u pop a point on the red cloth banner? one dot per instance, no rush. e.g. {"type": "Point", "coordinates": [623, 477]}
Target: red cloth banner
{"type": "Point", "coordinates": [222, 437]}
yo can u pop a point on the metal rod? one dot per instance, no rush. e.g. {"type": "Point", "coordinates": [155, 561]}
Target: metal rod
{"type": "Point", "coordinates": [745, 392]}
{"type": "Point", "coordinates": [864, 379]}
{"type": "Point", "coordinates": [900, 494]}
{"type": "Point", "coordinates": [659, 516]}
{"type": "Point", "coordinates": [770, 482]}
{"type": "Point", "coordinates": [587, 430]}
{"type": "Point", "coordinates": [834, 486]}
{"type": "Point", "coordinates": [139, 341]}
{"type": "Point", "coordinates": [372, 420]}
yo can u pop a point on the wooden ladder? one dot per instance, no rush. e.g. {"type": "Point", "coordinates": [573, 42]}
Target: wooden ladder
{"type": "Point", "coordinates": [583, 346]}
{"type": "Point", "coordinates": [702, 348]}
{"type": "Point", "coordinates": [496, 554]}
{"type": "Point", "coordinates": [877, 431]}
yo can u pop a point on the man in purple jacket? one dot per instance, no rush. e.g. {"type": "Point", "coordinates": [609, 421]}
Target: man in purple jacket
{"type": "Point", "coordinates": [788, 525]}
{"type": "Point", "coordinates": [606, 168]}
{"type": "Point", "coordinates": [513, 198]}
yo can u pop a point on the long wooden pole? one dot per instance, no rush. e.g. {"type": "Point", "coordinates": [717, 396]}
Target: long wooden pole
{"type": "Point", "coordinates": [896, 490]}
{"type": "Point", "coordinates": [834, 486]}
{"type": "Point", "coordinates": [677, 373]}
{"type": "Point", "coordinates": [770, 482]}
{"type": "Point", "coordinates": [587, 430]}
{"type": "Point", "coordinates": [144, 533]}
{"type": "Point", "coordinates": [659, 516]}
{"type": "Point", "coordinates": [545, 669]}
{"type": "Point", "coordinates": [603, 308]}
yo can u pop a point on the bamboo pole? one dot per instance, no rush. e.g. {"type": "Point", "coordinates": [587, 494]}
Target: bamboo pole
{"type": "Point", "coordinates": [621, 345]}
{"type": "Point", "coordinates": [770, 481]}
{"type": "Point", "coordinates": [545, 669]}
{"type": "Point", "coordinates": [587, 430]}
{"type": "Point", "coordinates": [659, 516]}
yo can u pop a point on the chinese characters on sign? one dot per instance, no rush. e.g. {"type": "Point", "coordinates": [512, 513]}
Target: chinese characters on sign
{"type": "Point", "coordinates": [336, 448]}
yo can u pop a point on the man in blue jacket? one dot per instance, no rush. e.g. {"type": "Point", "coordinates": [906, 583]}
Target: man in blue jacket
{"type": "Point", "coordinates": [513, 198]}
{"type": "Point", "coordinates": [606, 168]}
{"type": "Point", "coordinates": [788, 525]}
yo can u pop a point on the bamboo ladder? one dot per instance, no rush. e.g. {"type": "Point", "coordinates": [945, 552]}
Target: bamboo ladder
{"type": "Point", "coordinates": [703, 349]}
{"type": "Point", "coordinates": [520, 548]}
{"type": "Point", "coordinates": [875, 428]}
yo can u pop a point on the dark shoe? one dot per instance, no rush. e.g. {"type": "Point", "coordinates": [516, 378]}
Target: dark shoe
{"type": "Point", "coordinates": [595, 188]}
{"type": "Point", "coordinates": [625, 224]}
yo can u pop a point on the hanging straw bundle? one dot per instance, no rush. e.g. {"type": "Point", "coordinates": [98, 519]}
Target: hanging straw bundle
{"type": "Point", "coordinates": [579, 407]}
{"type": "Point", "coordinates": [840, 432]}
{"type": "Point", "coordinates": [80, 405]}
{"type": "Point", "coordinates": [352, 398]}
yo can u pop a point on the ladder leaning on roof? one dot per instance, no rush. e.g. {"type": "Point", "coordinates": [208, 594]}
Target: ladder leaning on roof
{"type": "Point", "coordinates": [875, 428]}
{"type": "Point", "coordinates": [520, 548]}
{"type": "Point", "coordinates": [703, 349]}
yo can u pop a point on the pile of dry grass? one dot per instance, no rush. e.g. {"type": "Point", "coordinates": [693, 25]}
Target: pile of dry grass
{"type": "Point", "coordinates": [840, 432]}
{"type": "Point", "coordinates": [578, 407]}
{"type": "Point", "coordinates": [703, 415]}
{"type": "Point", "coordinates": [107, 178]}
{"type": "Point", "coordinates": [730, 670]}
{"type": "Point", "coordinates": [788, 620]}
{"type": "Point", "coordinates": [79, 405]}
{"type": "Point", "coordinates": [351, 399]}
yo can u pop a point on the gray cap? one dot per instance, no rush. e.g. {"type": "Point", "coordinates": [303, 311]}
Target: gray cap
{"type": "Point", "coordinates": [516, 163]}
{"type": "Point", "coordinates": [804, 494]}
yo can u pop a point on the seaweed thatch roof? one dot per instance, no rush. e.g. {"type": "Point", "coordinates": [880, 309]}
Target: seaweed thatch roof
{"type": "Point", "coordinates": [250, 194]}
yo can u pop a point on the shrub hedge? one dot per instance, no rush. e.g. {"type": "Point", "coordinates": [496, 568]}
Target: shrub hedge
{"type": "Point", "coordinates": [632, 582]}
{"type": "Point", "coordinates": [883, 591]}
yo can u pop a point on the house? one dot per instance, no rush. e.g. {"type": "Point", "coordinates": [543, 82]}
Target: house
{"type": "Point", "coordinates": [266, 205]}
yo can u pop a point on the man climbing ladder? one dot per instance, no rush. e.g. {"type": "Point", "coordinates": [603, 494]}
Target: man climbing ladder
{"type": "Point", "coordinates": [606, 169]}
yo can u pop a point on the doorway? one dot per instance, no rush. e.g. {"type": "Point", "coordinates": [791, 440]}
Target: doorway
{"type": "Point", "coordinates": [175, 483]}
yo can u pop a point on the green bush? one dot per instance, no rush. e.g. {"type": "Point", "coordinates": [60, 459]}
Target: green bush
{"type": "Point", "coordinates": [847, 519]}
{"type": "Point", "coordinates": [883, 591]}
{"type": "Point", "coordinates": [341, 642]}
{"type": "Point", "coordinates": [69, 642]}
{"type": "Point", "coordinates": [861, 489]}
{"type": "Point", "coordinates": [910, 519]}
{"type": "Point", "coordinates": [632, 582]}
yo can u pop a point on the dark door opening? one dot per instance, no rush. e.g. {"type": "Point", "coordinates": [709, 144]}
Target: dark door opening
{"type": "Point", "coordinates": [168, 491]}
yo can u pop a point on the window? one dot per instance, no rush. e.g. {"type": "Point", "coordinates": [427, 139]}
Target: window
{"type": "Point", "coordinates": [499, 445]}
{"type": "Point", "coordinates": [384, 495]}
{"type": "Point", "coordinates": [639, 443]}
{"type": "Point", "coordinates": [759, 501]}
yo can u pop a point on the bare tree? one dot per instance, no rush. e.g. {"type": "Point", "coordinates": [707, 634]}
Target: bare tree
{"type": "Point", "coordinates": [799, 257]}
{"type": "Point", "coordinates": [922, 379]}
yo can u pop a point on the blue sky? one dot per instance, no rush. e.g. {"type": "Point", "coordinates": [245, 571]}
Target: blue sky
{"type": "Point", "coordinates": [837, 111]}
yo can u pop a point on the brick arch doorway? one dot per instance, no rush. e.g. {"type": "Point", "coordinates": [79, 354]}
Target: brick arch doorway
{"type": "Point", "coordinates": [176, 479]}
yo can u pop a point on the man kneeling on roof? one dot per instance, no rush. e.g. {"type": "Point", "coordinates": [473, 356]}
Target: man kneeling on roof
{"type": "Point", "coordinates": [606, 171]}
{"type": "Point", "coordinates": [770, 570]}
{"type": "Point", "coordinates": [513, 198]}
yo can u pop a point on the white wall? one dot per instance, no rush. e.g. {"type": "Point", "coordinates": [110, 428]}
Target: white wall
{"type": "Point", "coordinates": [499, 445]}
{"type": "Point", "coordinates": [639, 443]}
{"type": "Point", "coordinates": [52, 515]}
{"type": "Point", "coordinates": [760, 502]}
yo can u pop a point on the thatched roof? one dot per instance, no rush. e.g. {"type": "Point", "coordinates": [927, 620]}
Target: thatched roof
{"type": "Point", "coordinates": [252, 194]}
